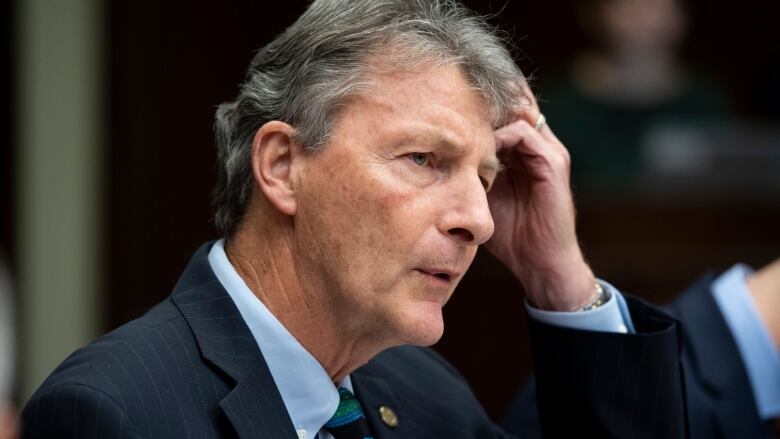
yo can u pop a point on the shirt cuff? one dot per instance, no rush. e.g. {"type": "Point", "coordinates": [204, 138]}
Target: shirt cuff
{"type": "Point", "coordinates": [755, 345]}
{"type": "Point", "coordinates": [612, 316]}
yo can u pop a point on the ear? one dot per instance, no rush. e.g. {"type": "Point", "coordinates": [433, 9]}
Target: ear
{"type": "Point", "coordinates": [273, 150]}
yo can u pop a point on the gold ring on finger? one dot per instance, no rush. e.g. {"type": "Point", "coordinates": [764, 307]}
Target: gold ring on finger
{"type": "Point", "coordinates": [540, 122]}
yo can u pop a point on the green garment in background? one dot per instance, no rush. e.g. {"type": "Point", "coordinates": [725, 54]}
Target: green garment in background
{"type": "Point", "coordinates": [605, 138]}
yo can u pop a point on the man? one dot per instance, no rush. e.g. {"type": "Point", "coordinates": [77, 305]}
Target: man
{"type": "Point", "coordinates": [359, 172]}
{"type": "Point", "coordinates": [731, 357]}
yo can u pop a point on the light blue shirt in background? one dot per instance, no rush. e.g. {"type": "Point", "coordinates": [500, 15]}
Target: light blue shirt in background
{"type": "Point", "coordinates": [758, 351]}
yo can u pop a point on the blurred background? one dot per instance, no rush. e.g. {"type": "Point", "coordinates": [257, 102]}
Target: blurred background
{"type": "Point", "coordinates": [670, 109]}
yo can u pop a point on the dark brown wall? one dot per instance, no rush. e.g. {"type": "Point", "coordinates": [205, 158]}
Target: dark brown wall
{"type": "Point", "coordinates": [172, 62]}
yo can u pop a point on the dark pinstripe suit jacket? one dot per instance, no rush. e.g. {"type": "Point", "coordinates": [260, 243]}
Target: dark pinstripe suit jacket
{"type": "Point", "coordinates": [719, 397]}
{"type": "Point", "coordinates": [191, 368]}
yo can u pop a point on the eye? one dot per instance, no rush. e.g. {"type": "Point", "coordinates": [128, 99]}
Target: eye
{"type": "Point", "coordinates": [485, 183]}
{"type": "Point", "coordinates": [420, 158]}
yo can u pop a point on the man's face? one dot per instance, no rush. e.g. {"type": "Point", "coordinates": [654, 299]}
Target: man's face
{"type": "Point", "coordinates": [391, 212]}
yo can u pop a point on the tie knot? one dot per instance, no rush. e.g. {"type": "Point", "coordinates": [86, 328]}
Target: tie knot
{"type": "Point", "coordinates": [348, 411]}
{"type": "Point", "coordinates": [348, 422]}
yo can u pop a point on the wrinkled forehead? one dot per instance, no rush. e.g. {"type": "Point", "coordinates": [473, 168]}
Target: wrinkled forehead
{"type": "Point", "coordinates": [432, 100]}
{"type": "Point", "coordinates": [401, 66]}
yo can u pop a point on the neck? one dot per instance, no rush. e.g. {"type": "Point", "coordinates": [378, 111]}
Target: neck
{"type": "Point", "coordinates": [264, 256]}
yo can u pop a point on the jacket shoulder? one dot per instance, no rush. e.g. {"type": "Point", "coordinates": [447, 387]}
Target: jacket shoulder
{"type": "Point", "coordinates": [149, 369]}
{"type": "Point", "coordinates": [419, 378]}
{"type": "Point", "coordinates": [416, 361]}
{"type": "Point", "coordinates": [110, 356]}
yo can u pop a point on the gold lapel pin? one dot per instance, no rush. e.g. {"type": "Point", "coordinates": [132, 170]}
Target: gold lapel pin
{"type": "Point", "coordinates": [388, 416]}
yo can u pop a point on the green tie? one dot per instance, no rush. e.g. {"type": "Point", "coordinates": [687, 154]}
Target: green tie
{"type": "Point", "coordinates": [348, 422]}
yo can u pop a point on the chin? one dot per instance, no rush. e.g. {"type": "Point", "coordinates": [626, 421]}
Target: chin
{"type": "Point", "coordinates": [424, 326]}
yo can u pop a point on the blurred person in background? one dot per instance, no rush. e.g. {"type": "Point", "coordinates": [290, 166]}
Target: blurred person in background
{"type": "Point", "coordinates": [629, 82]}
{"type": "Point", "coordinates": [8, 416]}
{"type": "Point", "coordinates": [731, 326]}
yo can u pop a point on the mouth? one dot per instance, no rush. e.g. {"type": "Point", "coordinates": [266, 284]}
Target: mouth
{"type": "Point", "coordinates": [439, 274]}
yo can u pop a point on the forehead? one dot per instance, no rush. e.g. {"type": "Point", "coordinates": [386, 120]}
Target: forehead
{"type": "Point", "coordinates": [432, 103]}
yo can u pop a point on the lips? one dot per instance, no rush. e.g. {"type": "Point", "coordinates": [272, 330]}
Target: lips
{"type": "Point", "coordinates": [440, 274]}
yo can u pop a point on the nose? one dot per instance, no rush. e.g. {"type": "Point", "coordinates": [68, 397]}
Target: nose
{"type": "Point", "coordinates": [468, 219]}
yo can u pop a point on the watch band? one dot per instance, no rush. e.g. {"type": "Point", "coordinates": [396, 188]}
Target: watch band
{"type": "Point", "coordinates": [600, 297]}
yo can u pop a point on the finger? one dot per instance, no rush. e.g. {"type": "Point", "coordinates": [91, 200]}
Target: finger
{"type": "Point", "coordinates": [530, 98]}
{"type": "Point", "coordinates": [524, 138]}
{"type": "Point", "coordinates": [531, 113]}
{"type": "Point", "coordinates": [547, 132]}
{"type": "Point", "coordinates": [528, 110]}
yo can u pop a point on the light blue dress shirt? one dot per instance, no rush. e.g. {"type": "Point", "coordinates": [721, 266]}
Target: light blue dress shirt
{"type": "Point", "coordinates": [612, 316]}
{"type": "Point", "coordinates": [306, 388]}
{"type": "Point", "coordinates": [758, 351]}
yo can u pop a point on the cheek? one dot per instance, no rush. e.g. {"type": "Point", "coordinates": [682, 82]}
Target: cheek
{"type": "Point", "coordinates": [387, 225]}
{"type": "Point", "coordinates": [400, 211]}
{"type": "Point", "coordinates": [365, 219]}
{"type": "Point", "coordinates": [377, 226]}
{"type": "Point", "coordinates": [351, 216]}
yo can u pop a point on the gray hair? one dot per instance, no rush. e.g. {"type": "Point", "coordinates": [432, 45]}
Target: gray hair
{"type": "Point", "coordinates": [309, 72]}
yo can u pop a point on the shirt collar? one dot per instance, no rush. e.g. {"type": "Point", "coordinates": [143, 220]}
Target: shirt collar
{"type": "Point", "coordinates": [307, 391]}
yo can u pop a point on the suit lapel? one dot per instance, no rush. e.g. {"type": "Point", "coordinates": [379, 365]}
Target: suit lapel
{"type": "Point", "coordinates": [374, 392]}
{"type": "Point", "coordinates": [254, 406]}
{"type": "Point", "coordinates": [255, 411]}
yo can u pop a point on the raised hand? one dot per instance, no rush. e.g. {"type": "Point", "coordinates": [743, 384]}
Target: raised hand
{"type": "Point", "coordinates": [533, 211]}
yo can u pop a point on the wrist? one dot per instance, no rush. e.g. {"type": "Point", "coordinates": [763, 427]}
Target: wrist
{"type": "Point", "coordinates": [569, 288]}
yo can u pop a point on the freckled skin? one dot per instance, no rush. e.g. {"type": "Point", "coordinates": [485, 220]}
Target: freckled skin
{"type": "Point", "coordinates": [369, 216]}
